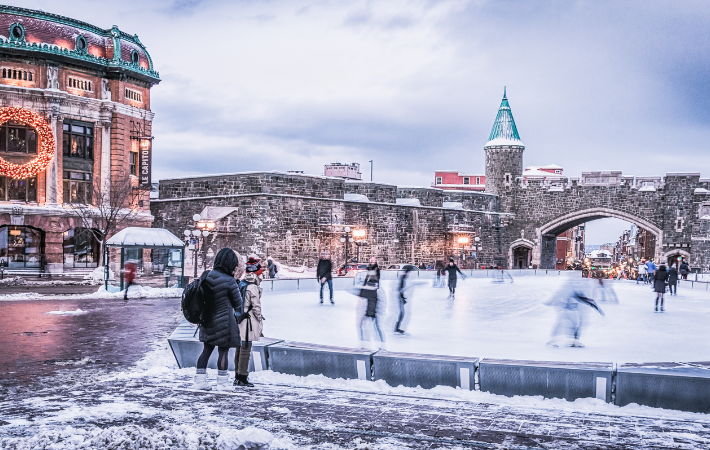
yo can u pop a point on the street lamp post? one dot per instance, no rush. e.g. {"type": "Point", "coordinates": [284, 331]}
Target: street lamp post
{"type": "Point", "coordinates": [346, 239]}
{"type": "Point", "coordinates": [359, 234]}
{"type": "Point", "coordinates": [201, 230]}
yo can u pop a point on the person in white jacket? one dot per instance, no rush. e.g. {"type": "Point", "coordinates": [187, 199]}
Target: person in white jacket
{"type": "Point", "coordinates": [250, 325]}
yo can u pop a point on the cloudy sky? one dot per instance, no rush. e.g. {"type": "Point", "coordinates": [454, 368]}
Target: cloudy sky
{"type": "Point", "coordinates": [415, 85]}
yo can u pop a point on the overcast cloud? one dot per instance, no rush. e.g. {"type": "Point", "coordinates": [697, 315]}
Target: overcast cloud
{"type": "Point", "coordinates": [415, 85]}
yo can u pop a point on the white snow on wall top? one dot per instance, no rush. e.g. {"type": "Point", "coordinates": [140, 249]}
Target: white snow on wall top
{"type": "Point", "coordinates": [504, 141]}
{"type": "Point", "coordinates": [356, 198]}
{"type": "Point", "coordinates": [453, 205]}
{"type": "Point", "coordinates": [408, 201]}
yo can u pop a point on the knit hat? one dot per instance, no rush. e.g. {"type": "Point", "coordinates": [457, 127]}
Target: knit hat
{"type": "Point", "coordinates": [253, 265]}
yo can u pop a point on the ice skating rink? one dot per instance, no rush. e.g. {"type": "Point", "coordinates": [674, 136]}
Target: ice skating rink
{"type": "Point", "coordinates": [504, 320]}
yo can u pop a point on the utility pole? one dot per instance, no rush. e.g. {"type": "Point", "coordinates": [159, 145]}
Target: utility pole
{"type": "Point", "coordinates": [371, 165]}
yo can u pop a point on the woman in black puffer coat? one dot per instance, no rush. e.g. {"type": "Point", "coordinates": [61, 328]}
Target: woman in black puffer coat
{"type": "Point", "coordinates": [219, 326]}
{"type": "Point", "coordinates": [659, 284]}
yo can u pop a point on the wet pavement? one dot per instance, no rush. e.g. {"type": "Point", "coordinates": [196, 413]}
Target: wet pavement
{"type": "Point", "coordinates": [80, 370]}
{"type": "Point", "coordinates": [111, 333]}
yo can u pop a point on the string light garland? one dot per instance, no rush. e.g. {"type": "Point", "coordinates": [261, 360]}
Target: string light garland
{"type": "Point", "coordinates": [46, 144]}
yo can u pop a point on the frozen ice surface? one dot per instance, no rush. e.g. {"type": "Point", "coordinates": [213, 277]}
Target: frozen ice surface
{"type": "Point", "coordinates": [504, 320]}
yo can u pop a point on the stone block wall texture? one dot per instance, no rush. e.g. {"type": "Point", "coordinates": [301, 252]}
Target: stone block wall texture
{"type": "Point", "coordinates": [295, 229]}
{"type": "Point", "coordinates": [297, 216]}
{"type": "Point", "coordinates": [251, 183]}
{"type": "Point", "coordinates": [375, 192]}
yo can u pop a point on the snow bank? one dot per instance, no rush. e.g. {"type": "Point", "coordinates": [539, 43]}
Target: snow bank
{"type": "Point", "coordinates": [13, 281]}
{"type": "Point", "coordinates": [97, 276]}
{"type": "Point", "coordinates": [77, 312]}
{"type": "Point", "coordinates": [138, 437]}
{"type": "Point", "coordinates": [134, 292]}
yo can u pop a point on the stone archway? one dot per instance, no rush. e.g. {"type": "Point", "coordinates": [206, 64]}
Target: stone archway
{"type": "Point", "coordinates": [666, 257]}
{"type": "Point", "coordinates": [518, 250]}
{"type": "Point", "coordinates": [544, 253]}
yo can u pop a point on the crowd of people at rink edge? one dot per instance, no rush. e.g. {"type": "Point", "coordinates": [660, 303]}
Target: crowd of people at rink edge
{"type": "Point", "coordinates": [662, 278]}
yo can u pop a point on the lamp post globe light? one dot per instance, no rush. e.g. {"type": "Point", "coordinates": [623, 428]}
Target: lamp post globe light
{"type": "Point", "coordinates": [196, 236]}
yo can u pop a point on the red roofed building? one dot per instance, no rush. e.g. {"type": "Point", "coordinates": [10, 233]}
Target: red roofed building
{"type": "Point", "coordinates": [455, 180]}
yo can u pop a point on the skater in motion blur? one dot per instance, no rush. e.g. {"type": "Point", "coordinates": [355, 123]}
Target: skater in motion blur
{"type": "Point", "coordinates": [452, 268]}
{"type": "Point", "coordinates": [369, 292]}
{"type": "Point", "coordinates": [500, 275]}
{"type": "Point", "coordinates": [571, 303]}
{"type": "Point", "coordinates": [402, 287]}
{"type": "Point", "coordinates": [129, 275]}
{"type": "Point", "coordinates": [605, 292]}
{"type": "Point", "coordinates": [439, 267]}
{"type": "Point", "coordinates": [659, 285]}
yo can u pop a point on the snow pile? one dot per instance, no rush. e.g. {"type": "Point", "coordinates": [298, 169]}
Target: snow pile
{"type": "Point", "coordinates": [247, 439]}
{"type": "Point", "coordinates": [135, 291]}
{"type": "Point", "coordinates": [97, 276]}
{"type": "Point", "coordinates": [138, 437]}
{"type": "Point", "coordinates": [14, 281]}
{"type": "Point", "coordinates": [77, 312]}
{"type": "Point", "coordinates": [294, 272]}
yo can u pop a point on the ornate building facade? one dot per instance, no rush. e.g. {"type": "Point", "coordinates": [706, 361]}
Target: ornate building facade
{"type": "Point", "coordinates": [76, 126]}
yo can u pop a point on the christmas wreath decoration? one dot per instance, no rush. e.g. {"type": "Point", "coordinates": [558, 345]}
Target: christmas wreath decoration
{"type": "Point", "coordinates": [46, 144]}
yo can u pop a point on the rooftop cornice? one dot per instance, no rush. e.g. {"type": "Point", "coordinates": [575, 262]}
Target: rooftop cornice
{"type": "Point", "coordinates": [47, 49]}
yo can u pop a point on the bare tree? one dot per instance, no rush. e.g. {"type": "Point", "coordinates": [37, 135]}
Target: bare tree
{"type": "Point", "coordinates": [114, 206]}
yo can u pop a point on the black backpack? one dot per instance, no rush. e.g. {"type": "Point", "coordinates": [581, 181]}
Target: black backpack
{"type": "Point", "coordinates": [193, 299]}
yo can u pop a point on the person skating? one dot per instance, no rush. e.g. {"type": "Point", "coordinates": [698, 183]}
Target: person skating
{"type": "Point", "coordinates": [570, 302]}
{"type": "Point", "coordinates": [273, 270]}
{"type": "Point", "coordinates": [219, 325]}
{"type": "Point", "coordinates": [659, 284]}
{"type": "Point", "coordinates": [369, 292]}
{"type": "Point", "coordinates": [325, 275]}
{"type": "Point", "coordinates": [250, 326]}
{"type": "Point", "coordinates": [642, 273]}
{"type": "Point", "coordinates": [452, 268]}
{"type": "Point", "coordinates": [402, 287]}
{"type": "Point", "coordinates": [651, 269]}
{"type": "Point", "coordinates": [673, 280]}
{"type": "Point", "coordinates": [684, 270]}
{"type": "Point", "coordinates": [439, 267]}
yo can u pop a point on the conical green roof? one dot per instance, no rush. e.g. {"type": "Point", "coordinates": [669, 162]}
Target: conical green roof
{"type": "Point", "coordinates": [504, 131]}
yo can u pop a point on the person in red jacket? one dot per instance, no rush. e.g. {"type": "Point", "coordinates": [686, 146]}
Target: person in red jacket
{"type": "Point", "coordinates": [129, 274]}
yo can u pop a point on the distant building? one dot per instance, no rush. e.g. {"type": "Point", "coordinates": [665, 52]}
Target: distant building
{"type": "Point", "coordinates": [346, 171]}
{"type": "Point", "coordinates": [570, 247]}
{"type": "Point", "coordinates": [453, 179]}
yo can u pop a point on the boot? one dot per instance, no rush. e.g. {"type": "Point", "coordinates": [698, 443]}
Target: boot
{"type": "Point", "coordinates": [200, 382]}
{"type": "Point", "coordinates": [244, 381]}
{"type": "Point", "coordinates": [223, 382]}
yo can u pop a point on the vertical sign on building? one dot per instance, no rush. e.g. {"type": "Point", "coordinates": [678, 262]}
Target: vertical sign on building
{"type": "Point", "coordinates": [145, 147]}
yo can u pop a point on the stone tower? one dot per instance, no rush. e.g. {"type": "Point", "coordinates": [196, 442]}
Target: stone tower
{"type": "Point", "coordinates": [504, 152]}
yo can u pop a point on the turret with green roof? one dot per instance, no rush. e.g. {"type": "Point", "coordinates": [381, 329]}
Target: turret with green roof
{"type": "Point", "coordinates": [504, 153]}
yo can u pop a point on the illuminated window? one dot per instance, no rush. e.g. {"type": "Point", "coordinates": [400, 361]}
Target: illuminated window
{"type": "Point", "coordinates": [78, 140]}
{"type": "Point", "coordinates": [78, 187]}
{"type": "Point", "coordinates": [17, 138]}
{"type": "Point", "coordinates": [133, 163]}
{"type": "Point", "coordinates": [438, 180]}
{"type": "Point", "coordinates": [466, 180]}
{"type": "Point", "coordinates": [24, 190]}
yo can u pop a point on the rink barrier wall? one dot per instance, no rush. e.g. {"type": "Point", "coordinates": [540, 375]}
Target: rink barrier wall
{"type": "Point", "coordinates": [340, 283]}
{"type": "Point", "coordinates": [549, 379]}
{"type": "Point", "coordinates": [303, 359]}
{"type": "Point", "coordinates": [680, 386]}
{"type": "Point", "coordinates": [683, 386]}
{"type": "Point", "coordinates": [186, 347]}
{"type": "Point", "coordinates": [426, 371]}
